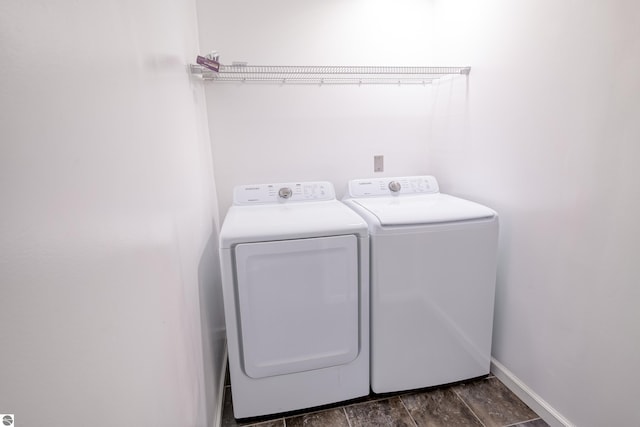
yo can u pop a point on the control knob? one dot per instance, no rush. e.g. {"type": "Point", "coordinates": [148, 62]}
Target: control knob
{"type": "Point", "coordinates": [394, 186]}
{"type": "Point", "coordinates": [285, 193]}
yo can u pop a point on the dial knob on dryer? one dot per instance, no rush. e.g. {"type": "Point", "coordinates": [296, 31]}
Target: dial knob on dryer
{"type": "Point", "coordinates": [394, 186]}
{"type": "Point", "coordinates": [285, 193]}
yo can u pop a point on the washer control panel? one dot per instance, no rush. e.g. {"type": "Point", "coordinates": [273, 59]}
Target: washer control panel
{"type": "Point", "coordinates": [393, 186]}
{"type": "Point", "coordinates": [284, 192]}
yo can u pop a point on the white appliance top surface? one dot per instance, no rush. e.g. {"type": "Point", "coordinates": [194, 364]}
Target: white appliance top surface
{"type": "Point", "coordinates": [257, 220]}
{"type": "Point", "coordinates": [424, 209]}
{"type": "Point", "coordinates": [412, 200]}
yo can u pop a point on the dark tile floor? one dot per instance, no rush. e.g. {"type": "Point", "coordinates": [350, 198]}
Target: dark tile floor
{"type": "Point", "coordinates": [481, 402]}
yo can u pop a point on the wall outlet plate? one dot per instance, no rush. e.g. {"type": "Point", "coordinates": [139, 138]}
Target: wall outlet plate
{"type": "Point", "coordinates": [378, 163]}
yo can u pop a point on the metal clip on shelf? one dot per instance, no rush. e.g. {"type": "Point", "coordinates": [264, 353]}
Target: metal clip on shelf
{"type": "Point", "coordinates": [241, 72]}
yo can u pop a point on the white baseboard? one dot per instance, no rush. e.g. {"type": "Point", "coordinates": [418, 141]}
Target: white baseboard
{"type": "Point", "coordinates": [528, 396]}
{"type": "Point", "coordinates": [217, 419]}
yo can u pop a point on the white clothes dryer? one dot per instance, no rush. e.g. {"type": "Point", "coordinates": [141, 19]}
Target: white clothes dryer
{"type": "Point", "coordinates": [433, 274]}
{"type": "Point", "coordinates": [295, 277]}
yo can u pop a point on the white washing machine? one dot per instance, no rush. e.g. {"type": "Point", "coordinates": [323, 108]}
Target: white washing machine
{"type": "Point", "coordinates": [295, 277]}
{"type": "Point", "coordinates": [433, 274]}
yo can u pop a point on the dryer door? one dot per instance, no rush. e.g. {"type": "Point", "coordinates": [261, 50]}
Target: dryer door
{"type": "Point", "coordinates": [298, 304]}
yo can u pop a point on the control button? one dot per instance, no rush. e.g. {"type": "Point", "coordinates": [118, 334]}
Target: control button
{"type": "Point", "coordinates": [394, 186]}
{"type": "Point", "coordinates": [285, 193]}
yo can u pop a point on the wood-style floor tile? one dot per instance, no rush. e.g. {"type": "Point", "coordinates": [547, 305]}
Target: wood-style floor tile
{"type": "Point", "coordinates": [386, 412]}
{"type": "Point", "coordinates": [439, 408]}
{"type": "Point", "coordinates": [494, 403]}
{"type": "Point", "coordinates": [329, 418]}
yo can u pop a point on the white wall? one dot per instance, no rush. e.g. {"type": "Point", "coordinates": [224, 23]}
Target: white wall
{"type": "Point", "coordinates": [108, 226]}
{"type": "Point", "coordinates": [548, 135]}
{"type": "Point", "coordinates": [545, 131]}
{"type": "Point", "coordinates": [282, 133]}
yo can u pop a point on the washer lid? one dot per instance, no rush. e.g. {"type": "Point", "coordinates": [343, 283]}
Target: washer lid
{"type": "Point", "coordinates": [423, 209]}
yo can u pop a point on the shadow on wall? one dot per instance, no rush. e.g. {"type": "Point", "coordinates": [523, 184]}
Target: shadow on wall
{"type": "Point", "coordinates": [212, 325]}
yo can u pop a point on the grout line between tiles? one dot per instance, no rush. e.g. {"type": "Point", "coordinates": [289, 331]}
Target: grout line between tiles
{"type": "Point", "coordinates": [377, 399]}
{"type": "Point", "coordinates": [344, 409]}
{"type": "Point", "coordinates": [469, 407]}
{"type": "Point", "coordinates": [310, 412]}
{"type": "Point", "coordinates": [408, 412]}
{"type": "Point", "coordinates": [523, 422]}
{"type": "Point", "coordinates": [353, 404]}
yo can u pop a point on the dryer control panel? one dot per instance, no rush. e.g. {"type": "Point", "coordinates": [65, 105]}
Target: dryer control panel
{"type": "Point", "coordinates": [393, 186]}
{"type": "Point", "coordinates": [284, 192]}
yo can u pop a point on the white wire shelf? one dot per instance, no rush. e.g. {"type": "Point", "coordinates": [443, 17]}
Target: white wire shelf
{"type": "Point", "coordinates": [280, 74]}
